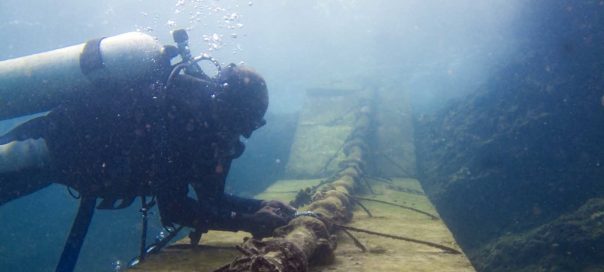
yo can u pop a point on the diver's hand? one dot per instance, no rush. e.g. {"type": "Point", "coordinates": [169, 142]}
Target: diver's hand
{"type": "Point", "coordinates": [279, 207]}
{"type": "Point", "coordinates": [262, 223]}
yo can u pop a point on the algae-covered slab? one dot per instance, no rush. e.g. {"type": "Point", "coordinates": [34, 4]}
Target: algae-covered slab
{"type": "Point", "coordinates": [286, 190]}
{"type": "Point", "coordinates": [315, 150]}
{"type": "Point", "coordinates": [384, 254]}
{"type": "Point", "coordinates": [216, 249]}
{"type": "Point", "coordinates": [394, 141]}
{"type": "Point", "coordinates": [325, 123]}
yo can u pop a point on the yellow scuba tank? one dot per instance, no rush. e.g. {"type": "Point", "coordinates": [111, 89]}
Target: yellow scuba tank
{"type": "Point", "coordinates": [39, 82]}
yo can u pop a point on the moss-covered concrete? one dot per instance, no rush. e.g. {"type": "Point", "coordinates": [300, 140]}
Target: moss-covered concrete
{"type": "Point", "coordinates": [384, 254]}
{"type": "Point", "coordinates": [216, 249]}
{"type": "Point", "coordinates": [315, 150]}
{"type": "Point", "coordinates": [325, 122]}
{"type": "Point", "coordinates": [286, 190]}
{"type": "Point", "coordinates": [394, 145]}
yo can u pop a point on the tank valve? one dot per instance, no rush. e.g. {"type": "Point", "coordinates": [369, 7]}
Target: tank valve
{"type": "Point", "coordinates": [181, 38]}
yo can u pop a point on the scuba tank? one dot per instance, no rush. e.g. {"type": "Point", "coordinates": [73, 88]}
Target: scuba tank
{"type": "Point", "coordinates": [39, 82]}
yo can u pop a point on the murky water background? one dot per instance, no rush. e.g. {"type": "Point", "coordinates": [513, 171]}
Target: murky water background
{"type": "Point", "coordinates": [439, 50]}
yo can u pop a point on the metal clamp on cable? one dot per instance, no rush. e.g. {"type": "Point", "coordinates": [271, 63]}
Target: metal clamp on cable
{"type": "Point", "coordinates": [306, 213]}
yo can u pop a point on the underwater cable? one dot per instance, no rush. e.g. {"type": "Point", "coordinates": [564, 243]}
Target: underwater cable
{"type": "Point", "coordinates": [446, 249]}
{"type": "Point", "coordinates": [433, 217]}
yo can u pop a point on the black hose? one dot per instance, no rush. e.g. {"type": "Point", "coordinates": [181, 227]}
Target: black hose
{"type": "Point", "coordinates": [145, 213]}
{"type": "Point", "coordinates": [72, 248]}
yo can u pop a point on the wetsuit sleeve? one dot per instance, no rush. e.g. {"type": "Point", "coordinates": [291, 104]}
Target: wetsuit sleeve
{"type": "Point", "coordinates": [211, 191]}
{"type": "Point", "coordinates": [242, 204]}
{"type": "Point", "coordinates": [213, 209]}
{"type": "Point", "coordinates": [177, 208]}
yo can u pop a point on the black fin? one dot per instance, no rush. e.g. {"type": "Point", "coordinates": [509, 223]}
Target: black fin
{"type": "Point", "coordinates": [33, 129]}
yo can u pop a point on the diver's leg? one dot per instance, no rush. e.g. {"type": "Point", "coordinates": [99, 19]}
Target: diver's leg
{"type": "Point", "coordinates": [24, 154]}
{"type": "Point", "coordinates": [23, 168]}
{"type": "Point", "coordinates": [14, 185]}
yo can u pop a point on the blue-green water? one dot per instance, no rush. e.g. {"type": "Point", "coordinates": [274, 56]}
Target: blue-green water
{"type": "Point", "coordinates": [438, 51]}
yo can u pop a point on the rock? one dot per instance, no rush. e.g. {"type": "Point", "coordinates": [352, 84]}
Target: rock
{"type": "Point", "coordinates": [574, 241]}
{"type": "Point", "coordinates": [526, 147]}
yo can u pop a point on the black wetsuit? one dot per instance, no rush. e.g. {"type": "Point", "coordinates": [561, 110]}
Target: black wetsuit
{"type": "Point", "coordinates": [120, 143]}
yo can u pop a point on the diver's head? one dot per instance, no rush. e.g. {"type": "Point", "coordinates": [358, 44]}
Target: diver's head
{"type": "Point", "coordinates": [241, 101]}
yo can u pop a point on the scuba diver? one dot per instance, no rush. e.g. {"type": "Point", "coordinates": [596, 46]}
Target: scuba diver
{"type": "Point", "coordinates": [151, 135]}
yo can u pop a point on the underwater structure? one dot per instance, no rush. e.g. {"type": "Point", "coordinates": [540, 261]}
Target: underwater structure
{"type": "Point", "coordinates": [351, 173]}
{"type": "Point", "coordinates": [515, 169]}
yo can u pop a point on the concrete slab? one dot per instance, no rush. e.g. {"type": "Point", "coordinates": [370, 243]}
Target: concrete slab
{"type": "Point", "coordinates": [384, 254]}
{"type": "Point", "coordinates": [324, 124]}
{"type": "Point", "coordinates": [394, 144]}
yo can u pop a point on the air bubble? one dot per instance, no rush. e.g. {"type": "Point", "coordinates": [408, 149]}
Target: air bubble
{"type": "Point", "coordinates": [117, 266]}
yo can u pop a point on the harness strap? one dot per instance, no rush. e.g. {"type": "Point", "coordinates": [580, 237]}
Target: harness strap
{"type": "Point", "coordinates": [91, 58]}
{"type": "Point", "coordinates": [74, 242]}
{"type": "Point", "coordinates": [145, 215]}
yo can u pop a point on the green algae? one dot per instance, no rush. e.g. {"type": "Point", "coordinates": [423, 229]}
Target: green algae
{"type": "Point", "coordinates": [286, 190]}
{"type": "Point", "coordinates": [313, 148]}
